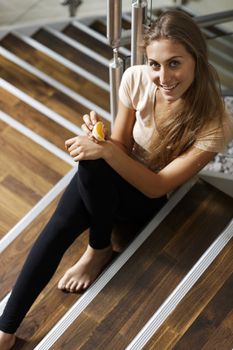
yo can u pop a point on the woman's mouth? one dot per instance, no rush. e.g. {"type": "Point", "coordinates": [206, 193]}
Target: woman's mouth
{"type": "Point", "coordinates": [169, 88]}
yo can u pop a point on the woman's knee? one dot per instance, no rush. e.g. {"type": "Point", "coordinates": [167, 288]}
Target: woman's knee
{"type": "Point", "coordinates": [93, 171]}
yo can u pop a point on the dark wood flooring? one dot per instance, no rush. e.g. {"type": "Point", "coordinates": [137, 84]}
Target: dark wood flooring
{"type": "Point", "coordinates": [204, 318]}
{"type": "Point", "coordinates": [28, 172]}
{"type": "Point", "coordinates": [58, 71]}
{"type": "Point", "coordinates": [119, 312]}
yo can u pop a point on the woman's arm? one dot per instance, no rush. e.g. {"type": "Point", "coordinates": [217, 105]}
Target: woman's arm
{"type": "Point", "coordinates": [116, 152]}
{"type": "Point", "coordinates": [151, 184]}
{"type": "Point", "coordinates": [122, 134]}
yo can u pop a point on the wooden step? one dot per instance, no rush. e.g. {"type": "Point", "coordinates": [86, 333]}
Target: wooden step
{"type": "Point", "coordinates": [15, 253]}
{"type": "Point", "coordinates": [88, 40]}
{"type": "Point", "coordinates": [204, 318]}
{"type": "Point", "coordinates": [74, 55]}
{"type": "Point", "coordinates": [34, 120]}
{"type": "Point", "coordinates": [57, 71]}
{"type": "Point", "coordinates": [122, 308]}
{"type": "Point", "coordinates": [100, 27]}
{"type": "Point", "coordinates": [126, 24]}
{"type": "Point", "coordinates": [44, 93]}
{"type": "Point", "coordinates": [28, 172]}
{"type": "Point", "coordinates": [52, 303]}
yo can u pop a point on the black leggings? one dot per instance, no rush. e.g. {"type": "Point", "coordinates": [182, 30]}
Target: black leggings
{"type": "Point", "coordinates": [95, 198]}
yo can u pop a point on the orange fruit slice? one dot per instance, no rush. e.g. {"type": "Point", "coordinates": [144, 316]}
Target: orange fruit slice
{"type": "Point", "coordinates": [98, 131]}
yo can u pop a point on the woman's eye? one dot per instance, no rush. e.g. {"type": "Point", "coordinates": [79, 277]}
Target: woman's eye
{"type": "Point", "coordinates": [174, 64]}
{"type": "Point", "coordinates": [154, 65]}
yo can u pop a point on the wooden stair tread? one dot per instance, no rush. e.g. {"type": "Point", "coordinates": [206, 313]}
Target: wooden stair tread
{"type": "Point", "coordinates": [126, 24]}
{"type": "Point", "coordinates": [72, 54]}
{"type": "Point", "coordinates": [139, 288]}
{"type": "Point", "coordinates": [52, 303]}
{"type": "Point", "coordinates": [86, 39]}
{"type": "Point", "coordinates": [28, 172]}
{"type": "Point", "coordinates": [44, 93]}
{"type": "Point", "coordinates": [204, 318]}
{"type": "Point", "coordinates": [34, 120]}
{"type": "Point", "coordinates": [100, 27]}
{"type": "Point", "coordinates": [57, 71]}
{"type": "Point", "coordinates": [9, 256]}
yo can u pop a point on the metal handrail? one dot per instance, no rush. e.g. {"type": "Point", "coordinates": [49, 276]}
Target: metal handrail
{"type": "Point", "coordinates": [214, 18]}
{"type": "Point", "coordinates": [202, 21]}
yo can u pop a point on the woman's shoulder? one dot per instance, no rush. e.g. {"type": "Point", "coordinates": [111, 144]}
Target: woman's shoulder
{"type": "Point", "coordinates": [137, 73]}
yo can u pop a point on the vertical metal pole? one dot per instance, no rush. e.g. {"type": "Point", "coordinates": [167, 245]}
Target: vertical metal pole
{"type": "Point", "coordinates": [115, 74]}
{"type": "Point", "coordinates": [114, 14]}
{"type": "Point", "coordinates": [139, 15]}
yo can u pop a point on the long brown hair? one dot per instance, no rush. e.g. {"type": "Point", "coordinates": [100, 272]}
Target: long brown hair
{"type": "Point", "coordinates": [202, 102]}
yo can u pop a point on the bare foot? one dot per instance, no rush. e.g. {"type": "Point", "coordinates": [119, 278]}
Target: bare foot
{"type": "Point", "coordinates": [81, 275]}
{"type": "Point", "coordinates": [7, 341]}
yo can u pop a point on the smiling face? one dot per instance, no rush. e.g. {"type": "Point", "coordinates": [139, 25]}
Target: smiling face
{"type": "Point", "coordinates": [171, 68]}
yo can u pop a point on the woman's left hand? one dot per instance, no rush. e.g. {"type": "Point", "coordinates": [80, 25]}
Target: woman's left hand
{"type": "Point", "coordinates": [82, 148]}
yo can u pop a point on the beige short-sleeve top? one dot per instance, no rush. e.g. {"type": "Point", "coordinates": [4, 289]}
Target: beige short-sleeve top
{"type": "Point", "coordinates": [137, 92]}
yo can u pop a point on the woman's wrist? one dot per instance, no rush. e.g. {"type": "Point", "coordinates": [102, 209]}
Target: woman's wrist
{"type": "Point", "coordinates": [107, 150]}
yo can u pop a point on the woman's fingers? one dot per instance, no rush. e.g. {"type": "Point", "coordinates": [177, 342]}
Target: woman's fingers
{"type": "Point", "coordinates": [75, 152]}
{"type": "Point", "coordinates": [88, 122]}
{"type": "Point", "coordinates": [70, 142]}
{"type": "Point", "coordinates": [86, 130]}
{"type": "Point", "coordinates": [93, 117]}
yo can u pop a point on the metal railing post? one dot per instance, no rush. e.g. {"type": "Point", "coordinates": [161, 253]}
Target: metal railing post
{"type": "Point", "coordinates": [139, 15]}
{"type": "Point", "coordinates": [115, 74]}
{"type": "Point", "coordinates": [114, 14]}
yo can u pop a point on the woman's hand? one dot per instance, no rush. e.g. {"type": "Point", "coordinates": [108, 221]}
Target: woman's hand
{"type": "Point", "coordinates": [84, 148]}
{"type": "Point", "coordinates": [89, 122]}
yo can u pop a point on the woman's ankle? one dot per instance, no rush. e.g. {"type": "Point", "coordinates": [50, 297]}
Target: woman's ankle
{"type": "Point", "coordinates": [7, 340]}
{"type": "Point", "coordinates": [98, 250]}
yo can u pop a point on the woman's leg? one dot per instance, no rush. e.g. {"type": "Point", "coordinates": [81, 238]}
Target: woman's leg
{"type": "Point", "coordinates": [107, 197]}
{"type": "Point", "coordinates": [69, 220]}
{"type": "Point", "coordinates": [97, 186]}
{"type": "Point", "coordinates": [96, 202]}
{"type": "Point", "coordinates": [98, 191]}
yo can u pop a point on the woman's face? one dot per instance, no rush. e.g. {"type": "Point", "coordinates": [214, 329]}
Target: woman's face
{"type": "Point", "coordinates": [171, 68]}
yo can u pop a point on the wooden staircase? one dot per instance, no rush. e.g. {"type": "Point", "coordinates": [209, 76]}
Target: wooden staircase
{"type": "Point", "coordinates": [48, 81]}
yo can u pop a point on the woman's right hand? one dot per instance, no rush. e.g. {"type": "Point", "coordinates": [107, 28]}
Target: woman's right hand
{"type": "Point", "coordinates": [89, 121]}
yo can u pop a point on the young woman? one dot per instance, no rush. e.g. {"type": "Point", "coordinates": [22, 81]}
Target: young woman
{"type": "Point", "coordinates": [171, 122]}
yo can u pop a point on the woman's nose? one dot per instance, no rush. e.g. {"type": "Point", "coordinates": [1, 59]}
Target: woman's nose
{"type": "Point", "coordinates": [164, 76]}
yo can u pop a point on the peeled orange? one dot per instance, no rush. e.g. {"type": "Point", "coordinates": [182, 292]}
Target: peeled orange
{"type": "Point", "coordinates": [98, 131]}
